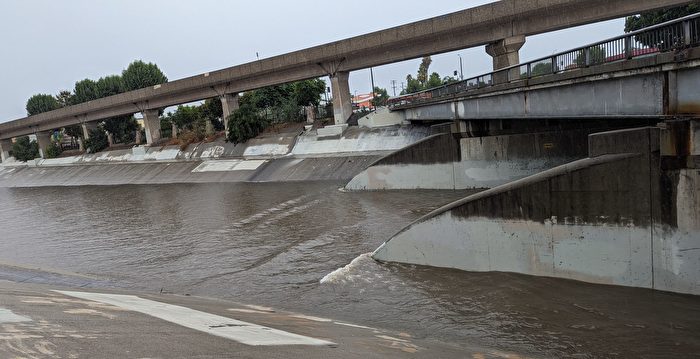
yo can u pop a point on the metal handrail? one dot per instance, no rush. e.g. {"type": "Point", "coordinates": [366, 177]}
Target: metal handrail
{"type": "Point", "coordinates": [672, 35]}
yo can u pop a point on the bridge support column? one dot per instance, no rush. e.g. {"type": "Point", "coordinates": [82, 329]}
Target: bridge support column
{"type": "Point", "coordinates": [5, 146]}
{"type": "Point", "coordinates": [505, 54]}
{"type": "Point", "coordinates": [174, 130]}
{"type": "Point", "coordinates": [87, 127]}
{"type": "Point", "coordinates": [229, 103]}
{"type": "Point", "coordinates": [151, 123]}
{"type": "Point", "coordinates": [342, 104]}
{"type": "Point", "coordinates": [43, 139]}
{"type": "Point", "coordinates": [695, 137]}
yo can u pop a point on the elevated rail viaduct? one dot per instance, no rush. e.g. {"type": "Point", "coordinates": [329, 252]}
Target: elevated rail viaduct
{"type": "Point", "coordinates": [502, 26]}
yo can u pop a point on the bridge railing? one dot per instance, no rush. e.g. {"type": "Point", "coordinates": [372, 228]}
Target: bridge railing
{"type": "Point", "coordinates": [669, 36]}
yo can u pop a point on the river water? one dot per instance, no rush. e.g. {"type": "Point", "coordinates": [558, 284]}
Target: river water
{"type": "Point", "coordinates": [271, 244]}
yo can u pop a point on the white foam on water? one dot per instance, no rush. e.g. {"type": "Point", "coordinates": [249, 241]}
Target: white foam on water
{"type": "Point", "coordinates": [343, 274]}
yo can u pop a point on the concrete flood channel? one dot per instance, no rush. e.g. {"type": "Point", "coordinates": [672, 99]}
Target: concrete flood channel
{"type": "Point", "coordinates": [304, 246]}
{"type": "Point", "coordinates": [271, 244]}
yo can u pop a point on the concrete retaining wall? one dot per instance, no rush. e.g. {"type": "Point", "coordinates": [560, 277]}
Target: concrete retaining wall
{"type": "Point", "coordinates": [444, 162]}
{"type": "Point", "coordinates": [357, 140]}
{"type": "Point", "coordinates": [598, 219]}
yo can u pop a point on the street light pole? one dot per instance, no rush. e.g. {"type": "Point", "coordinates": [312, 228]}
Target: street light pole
{"type": "Point", "coordinates": [371, 75]}
{"type": "Point", "coordinates": [461, 69]}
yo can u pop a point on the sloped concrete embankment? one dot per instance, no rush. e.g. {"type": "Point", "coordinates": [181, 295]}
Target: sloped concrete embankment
{"type": "Point", "coordinates": [444, 161]}
{"type": "Point", "coordinates": [272, 158]}
{"type": "Point", "coordinates": [604, 219]}
{"type": "Point", "coordinates": [233, 170]}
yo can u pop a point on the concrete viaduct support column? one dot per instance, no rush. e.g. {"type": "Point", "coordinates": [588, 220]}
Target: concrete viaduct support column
{"type": "Point", "coordinates": [151, 122]}
{"type": "Point", "coordinates": [229, 103]}
{"type": "Point", "coordinates": [505, 54]}
{"type": "Point", "coordinates": [87, 127]}
{"type": "Point", "coordinates": [5, 146]}
{"type": "Point", "coordinates": [342, 104]}
{"type": "Point", "coordinates": [43, 139]}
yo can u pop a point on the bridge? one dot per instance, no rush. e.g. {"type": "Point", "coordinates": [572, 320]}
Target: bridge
{"type": "Point", "coordinates": [647, 73]}
{"type": "Point", "coordinates": [502, 26]}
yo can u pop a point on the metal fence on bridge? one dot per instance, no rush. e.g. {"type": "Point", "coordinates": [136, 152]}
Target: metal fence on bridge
{"type": "Point", "coordinates": [670, 36]}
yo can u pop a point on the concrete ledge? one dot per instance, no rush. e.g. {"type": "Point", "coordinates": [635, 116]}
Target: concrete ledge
{"type": "Point", "coordinates": [331, 131]}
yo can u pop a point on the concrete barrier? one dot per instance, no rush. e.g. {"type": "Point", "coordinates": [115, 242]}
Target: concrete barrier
{"type": "Point", "coordinates": [603, 219]}
{"type": "Point", "coordinates": [445, 162]}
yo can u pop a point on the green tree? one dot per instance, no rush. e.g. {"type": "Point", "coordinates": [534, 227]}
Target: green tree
{"type": "Point", "coordinates": [25, 150]}
{"type": "Point", "coordinates": [308, 92]}
{"type": "Point", "coordinates": [212, 110]}
{"type": "Point", "coordinates": [412, 85]}
{"type": "Point", "coordinates": [423, 71]}
{"type": "Point", "coordinates": [271, 96]}
{"type": "Point", "coordinates": [433, 81]}
{"type": "Point", "coordinates": [380, 97]}
{"type": "Point", "coordinates": [64, 98]}
{"type": "Point", "coordinates": [97, 141]}
{"type": "Point", "coordinates": [649, 18]}
{"type": "Point", "coordinates": [449, 80]}
{"type": "Point", "coordinates": [244, 124]}
{"type": "Point", "coordinates": [122, 128]}
{"type": "Point", "coordinates": [188, 117]}
{"type": "Point", "coordinates": [85, 90]}
{"type": "Point", "coordinates": [109, 85]}
{"type": "Point", "coordinates": [53, 150]}
{"type": "Point", "coordinates": [140, 74]}
{"type": "Point", "coordinates": [41, 103]}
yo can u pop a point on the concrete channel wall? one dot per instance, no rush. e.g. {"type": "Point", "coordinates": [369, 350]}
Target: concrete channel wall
{"type": "Point", "coordinates": [444, 161]}
{"type": "Point", "coordinates": [270, 158]}
{"type": "Point", "coordinates": [603, 219]}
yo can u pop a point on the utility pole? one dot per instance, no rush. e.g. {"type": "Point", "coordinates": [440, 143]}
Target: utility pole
{"type": "Point", "coordinates": [371, 75]}
{"type": "Point", "coordinates": [461, 69]}
{"type": "Point", "coordinates": [393, 86]}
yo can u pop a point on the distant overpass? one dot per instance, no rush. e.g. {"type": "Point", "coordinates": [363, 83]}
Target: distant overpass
{"type": "Point", "coordinates": [501, 25]}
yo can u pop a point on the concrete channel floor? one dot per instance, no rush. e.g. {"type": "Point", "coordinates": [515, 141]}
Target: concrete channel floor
{"type": "Point", "coordinates": [38, 321]}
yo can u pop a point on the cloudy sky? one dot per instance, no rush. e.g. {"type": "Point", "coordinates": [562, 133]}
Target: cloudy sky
{"type": "Point", "coordinates": [48, 45]}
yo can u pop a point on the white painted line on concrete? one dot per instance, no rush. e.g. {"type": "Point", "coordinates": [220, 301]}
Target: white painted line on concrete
{"type": "Point", "coordinates": [229, 165]}
{"type": "Point", "coordinates": [312, 318]}
{"type": "Point", "coordinates": [242, 332]}
{"type": "Point", "coordinates": [7, 316]}
{"type": "Point", "coordinates": [354, 325]}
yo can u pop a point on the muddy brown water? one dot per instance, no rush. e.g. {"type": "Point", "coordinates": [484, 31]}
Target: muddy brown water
{"type": "Point", "coordinates": [271, 244]}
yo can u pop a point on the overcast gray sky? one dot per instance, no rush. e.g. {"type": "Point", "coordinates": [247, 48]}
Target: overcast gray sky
{"type": "Point", "coordinates": [48, 45]}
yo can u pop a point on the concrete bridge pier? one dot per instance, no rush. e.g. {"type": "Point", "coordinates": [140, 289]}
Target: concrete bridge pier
{"type": "Point", "coordinates": [151, 122]}
{"type": "Point", "coordinates": [43, 139]}
{"type": "Point", "coordinates": [5, 146]}
{"type": "Point", "coordinates": [342, 104]}
{"type": "Point", "coordinates": [229, 103]}
{"type": "Point", "coordinates": [505, 54]}
{"type": "Point", "coordinates": [87, 127]}
{"type": "Point", "coordinates": [174, 130]}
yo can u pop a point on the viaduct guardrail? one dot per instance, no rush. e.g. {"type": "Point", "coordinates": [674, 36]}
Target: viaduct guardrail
{"type": "Point", "coordinates": [670, 36]}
